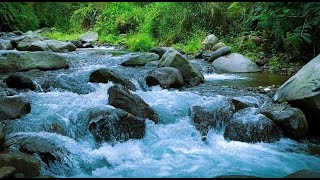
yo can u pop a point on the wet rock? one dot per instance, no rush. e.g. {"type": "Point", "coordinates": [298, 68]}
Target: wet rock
{"type": "Point", "coordinates": [218, 46]}
{"type": "Point", "coordinates": [23, 42]}
{"type": "Point", "coordinates": [244, 102]}
{"type": "Point", "coordinates": [160, 50]}
{"type": "Point", "coordinates": [24, 61]}
{"type": "Point", "coordinates": [13, 107]}
{"type": "Point", "coordinates": [262, 62]}
{"type": "Point", "coordinates": [7, 92]}
{"type": "Point", "coordinates": [78, 44]}
{"type": "Point", "coordinates": [106, 75]}
{"type": "Point", "coordinates": [211, 115]}
{"type": "Point", "coordinates": [51, 45]}
{"type": "Point", "coordinates": [22, 162]}
{"type": "Point", "coordinates": [87, 45]}
{"type": "Point", "coordinates": [304, 173]}
{"type": "Point", "coordinates": [209, 42]}
{"type": "Point", "coordinates": [167, 77]}
{"type": "Point", "coordinates": [236, 176]}
{"type": "Point", "coordinates": [248, 126]}
{"type": "Point", "coordinates": [18, 32]}
{"type": "Point", "coordinates": [234, 63]}
{"type": "Point", "coordinates": [20, 81]}
{"type": "Point", "coordinates": [7, 171]}
{"type": "Point", "coordinates": [292, 121]}
{"type": "Point", "coordinates": [120, 97]}
{"type": "Point", "coordinates": [152, 64]}
{"type": "Point", "coordinates": [219, 52]}
{"type": "Point", "coordinates": [204, 54]}
{"type": "Point", "coordinates": [191, 75]}
{"type": "Point", "coordinates": [116, 125]}
{"type": "Point", "coordinates": [44, 176]}
{"type": "Point", "coordinates": [303, 91]}
{"type": "Point", "coordinates": [5, 44]}
{"type": "Point", "coordinates": [89, 37]}
{"type": "Point", "coordinates": [141, 60]}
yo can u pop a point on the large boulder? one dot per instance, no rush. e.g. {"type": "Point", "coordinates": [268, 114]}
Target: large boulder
{"type": "Point", "coordinates": [219, 52]}
{"type": "Point", "coordinates": [303, 91]}
{"type": "Point", "coordinates": [120, 97]}
{"type": "Point", "coordinates": [209, 42]}
{"type": "Point", "coordinates": [292, 121]}
{"type": "Point", "coordinates": [115, 125]}
{"type": "Point", "coordinates": [18, 61]}
{"type": "Point", "coordinates": [159, 50]}
{"type": "Point", "coordinates": [249, 126]}
{"type": "Point", "coordinates": [141, 60]}
{"type": "Point", "coordinates": [23, 42]}
{"type": "Point", "coordinates": [5, 44]}
{"type": "Point", "coordinates": [20, 81]}
{"type": "Point", "coordinates": [191, 75]}
{"type": "Point", "coordinates": [107, 75]}
{"type": "Point", "coordinates": [13, 107]}
{"type": "Point", "coordinates": [52, 45]}
{"type": "Point", "coordinates": [218, 46]}
{"type": "Point", "coordinates": [211, 115]}
{"type": "Point", "coordinates": [88, 37]}
{"type": "Point", "coordinates": [166, 77]}
{"type": "Point", "coordinates": [234, 63]}
{"type": "Point", "coordinates": [23, 163]}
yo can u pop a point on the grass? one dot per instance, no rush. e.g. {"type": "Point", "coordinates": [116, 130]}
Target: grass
{"type": "Point", "coordinates": [61, 36]}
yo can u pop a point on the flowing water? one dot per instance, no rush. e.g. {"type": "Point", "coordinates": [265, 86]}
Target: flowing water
{"type": "Point", "coordinates": [173, 148]}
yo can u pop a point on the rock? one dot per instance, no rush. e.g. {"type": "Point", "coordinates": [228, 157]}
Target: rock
{"type": "Point", "coordinates": [87, 45]}
{"type": "Point", "coordinates": [78, 44]}
{"type": "Point", "coordinates": [167, 77]}
{"type": "Point", "coordinates": [303, 91]}
{"type": "Point", "coordinates": [236, 176]}
{"type": "Point", "coordinates": [22, 42]}
{"type": "Point", "coordinates": [244, 102]}
{"type": "Point", "coordinates": [5, 45]}
{"type": "Point", "coordinates": [51, 45]}
{"type": "Point", "coordinates": [220, 52]}
{"type": "Point", "coordinates": [7, 171]}
{"type": "Point", "coordinates": [152, 64]}
{"type": "Point", "coordinates": [292, 121]}
{"type": "Point", "coordinates": [211, 115]}
{"type": "Point", "coordinates": [2, 140]}
{"type": "Point", "coordinates": [218, 46]}
{"type": "Point", "coordinates": [304, 173]}
{"type": "Point", "coordinates": [116, 125]}
{"type": "Point", "coordinates": [89, 37]}
{"type": "Point", "coordinates": [209, 42]}
{"type": "Point", "coordinates": [13, 107]}
{"type": "Point", "coordinates": [106, 75]}
{"type": "Point", "coordinates": [262, 62]}
{"type": "Point", "coordinates": [234, 63]}
{"type": "Point", "coordinates": [19, 175]}
{"type": "Point", "coordinates": [141, 60]}
{"type": "Point", "coordinates": [191, 75]}
{"type": "Point", "coordinates": [204, 54]}
{"type": "Point", "coordinates": [44, 176]}
{"type": "Point", "coordinates": [18, 61]}
{"type": "Point", "coordinates": [159, 50]}
{"type": "Point", "coordinates": [20, 81]}
{"type": "Point", "coordinates": [247, 126]}
{"type": "Point", "coordinates": [22, 162]}
{"type": "Point", "coordinates": [18, 33]}
{"type": "Point", "coordinates": [120, 97]}
{"type": "Point", "coordinates": [7, 92]}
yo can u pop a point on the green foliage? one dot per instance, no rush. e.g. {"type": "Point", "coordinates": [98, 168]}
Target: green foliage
{"type": "Point", "coordinates": [140, 42]}
{"type": "Point", "coordinates": [61, 36]}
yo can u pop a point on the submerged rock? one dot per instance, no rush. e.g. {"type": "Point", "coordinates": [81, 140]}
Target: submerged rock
{"type": "Point", "coordinates": [141, 60]}
{"type": "Point", "coordinates": [106, 75]}
{"type": "Point", "coordinates": [24, 61]}
{"type": "Point", "coordinates": [115, 125]}
{"type": "Point", "coordinates": [303, 91]}
{"type": "Point", "coordinates": [191, 75]}
{"type": "Point", "coordinates": [120, 97]}
{"type": "Point", "coordinates": [247, 126]}
{"type": "Point", "coordinates": [166, 77]}
{"type": "Point", "coordinates": [234, 63]}
{"type": "Point", "coordinates": [13, 107]}
{"type": "Point", "coordinates": [20, 81]}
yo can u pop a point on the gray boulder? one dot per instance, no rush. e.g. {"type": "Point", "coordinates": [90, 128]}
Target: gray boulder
{"type": "Point", "coordinates": [13, 107]}
{"type": "Point", "coordinates": [141, 60]}
{"type": "Point", "coordinates": [242, 102]}
{"type": "Point", "coordinates": [18, 61]}
{"type": "Point", "coordinates": [191, 75]}
{"type": "Point", "coordinates": [234, 63]}
{"type": "Point", "coordinates": [5, 44]}
{"type": "Point", "coordinates": [152, 64]}
{"type": "Point", "coordinates": [120, 97]}
{"type": "Point", "coordinates": [51, 45]}
{"type": "Point", "coordinates": [218, 46]}
{"type": "Point", "coordinates": [292, 121]}
{"type": "Point", "coordinates": [88, 37]}
{"type": "Point", "coordinates": [20, 81]}
{"type": "Point", "coordinates": [219, 52]}
{"type": "Point", "coordinates": [166, 77]}
{"type": "Point", "coordinates": [303, 91]}
{"type": "Point", "coordinates": [248, 126]}
{"type": "Point", "coordinates": [107, 75]}
{"type": "Point", "coordinates": [7, 92]}
{"type": "Point", "coordinates": [115, 125]}
{"type": "Point", "coordinates": [209, 42]}
{"type": "Point", "coordinates": [159, 50]}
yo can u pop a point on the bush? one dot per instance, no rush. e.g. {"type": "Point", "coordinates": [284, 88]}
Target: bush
{"type": "Point", "coordinates": [140, 42]}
